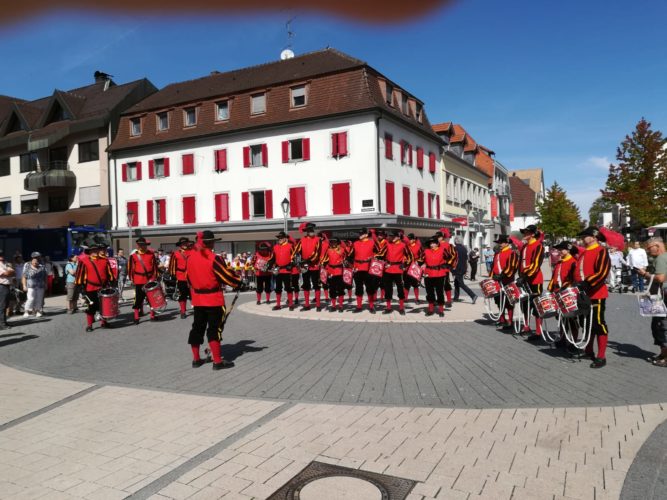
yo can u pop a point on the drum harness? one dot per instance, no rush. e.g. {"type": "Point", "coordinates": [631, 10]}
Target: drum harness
{"type": "Point", "coordinates": [586, 327]}
{"type": "Point", "coordinates": [502, 300]}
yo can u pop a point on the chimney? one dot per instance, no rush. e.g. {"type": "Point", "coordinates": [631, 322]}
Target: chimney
{"type": "Point", "coordinates": [101, 76]}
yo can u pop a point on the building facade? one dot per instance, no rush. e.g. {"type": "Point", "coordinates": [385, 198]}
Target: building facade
{"type": "Point", "coordinates": [323, 134]}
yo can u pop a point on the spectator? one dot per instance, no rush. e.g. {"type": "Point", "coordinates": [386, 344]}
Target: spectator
{"type": "Point", "coordinates": [50, 275]}
{"type": "Point", "coordinates": [473, 259]}
{"type": "Point", "coordinates": [460, 271]}
{"type": "Point", "coordinates": [656, 248]}
{"type": "Point", "coordinates": [70, 284]}
{"type": "Point", "coordinates": [34, 283]}
{"type": "Point", "coordinates": [617, 261]}
{"type": "Point", "coordinates": [18, 268]}
{"type": "Point", "coordinates": [6, 274]}
{"type": "Point", "coordinates": [488, 259]}
{"type": "Point", "coordinates": [637, 261]}
{"type": "Point", "coordinates": [122, 272]}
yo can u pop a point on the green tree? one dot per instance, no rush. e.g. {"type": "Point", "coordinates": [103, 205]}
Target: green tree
{"type": "Point", "coordinates": [639, 180]}
{"type": "Point", "coordinates": [558, 214]}
{"type": "Point", "coordinates": [600, 205]}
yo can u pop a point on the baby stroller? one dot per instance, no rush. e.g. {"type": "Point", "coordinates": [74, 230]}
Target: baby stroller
{"type": "Point", "coordinates": [622, 279]}
{"type": "Point", "coordinates": [169, 285]}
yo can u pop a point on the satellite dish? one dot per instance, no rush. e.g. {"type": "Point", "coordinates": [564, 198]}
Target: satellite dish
{"type": "Point", "coordinates": [286, 54]}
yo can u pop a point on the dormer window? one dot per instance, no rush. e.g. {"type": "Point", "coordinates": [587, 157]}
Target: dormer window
{"type": "Point", "coordinates": [190, 116]}
{"type": "Point", "coordinates": [14, 124]}
{"type": "Point", "coordinates": [298, 96]}
{"type": "Point", "coordinates": [57, 114]}
{"type": "Point", "coordinates": [135, 127]}
{"type": "Point", "coordinates": [389, 93]}
{"type": "Point", "coordinates": [258, 104]}
{"type": "Point", "coordinates": [404, 104]}
{"type": "Point", "coordinates": [163, 121]}
{"type": "Point", "coordinates": [222, 111]}
{"type": "Point", "coordinates": [420, 113]}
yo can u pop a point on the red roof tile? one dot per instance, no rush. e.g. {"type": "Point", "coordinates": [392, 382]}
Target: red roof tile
{"type": "Point", "coordinates": [522, 196]}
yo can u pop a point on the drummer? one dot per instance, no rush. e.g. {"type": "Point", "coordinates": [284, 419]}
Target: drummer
{"type": "Point", "coordinates": [92, 275]}
{"type": "Point", "coordinates": [142, 269]}
{"type": "Point", "coordinates": [505, 265]}
{"type": "Point", "coordinates": [177, 268]}
{"type": "Point", "coordinates": [563, 275]}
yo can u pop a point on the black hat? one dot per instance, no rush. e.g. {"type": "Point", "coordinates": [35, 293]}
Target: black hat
{"type": "Point", "coordinates": [395, 232]}
{"type": "Point", "coordinates": [411, 236]}
{"type": "Point", "coordinates": [282, 234]}
{"type": "Point", "coordinates": [532, 229]}
{"type": "Point", "coordinates": [502, 238]}
{"type": "Point", "coordinates": [183, 240]}
{"type": "Point", "coordinates": [594, 232]}
{"type": "Point", "coordinates": [334, 240]}
{"type": "Point", "coordinates": [140, 241]}
{"type": "Point", "coordinates": [433, 241]}
{"type": "Point", "coordinates": [209, 236]}
{"type": "Point", "coordinates": [264, 245]}
{"type": "Point", "coordinates": [566, 245]}
{"type": "Point", "coordinates": [310, 227]}
{"type": "Point", "coordinates": [363, 230]}
{"type": "Point", "coordinates": [381, 232]}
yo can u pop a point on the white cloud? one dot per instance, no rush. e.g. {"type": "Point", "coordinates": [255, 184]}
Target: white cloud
{"type": "Point", "coordinates": [599, 162]}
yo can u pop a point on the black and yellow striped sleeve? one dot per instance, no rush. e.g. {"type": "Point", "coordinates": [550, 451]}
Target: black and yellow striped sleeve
{"type": "Point", "coordinates": [536, 263]}
{"type": "Point", "coordinates": [600, 269]}
{"type": "Point", "coordinates": [407, 255]}
{"type": "Point", "coordinates": [380, 251]}
{"type": "Point", "coordinates": [80, 276]}
{"type": "Point", "coordinates": [512, 265]}
{"type": "Point", "coordinates": [224, 274]}
{"type": "Point", "coordinates": [109, 272]}
{"type": "Point", "coordinates": [325, 259]}
{"type": "Point", "coordinates": [172, 264]}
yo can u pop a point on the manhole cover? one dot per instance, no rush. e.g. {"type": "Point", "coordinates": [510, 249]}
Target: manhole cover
{"type": "Point", "coordinates": [340, 488]}
{"type": "Point", "coordinates": [320, 481]}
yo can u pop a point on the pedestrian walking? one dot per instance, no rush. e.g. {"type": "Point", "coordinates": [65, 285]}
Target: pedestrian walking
{"type": "Point", "coordinates": [473, 260]}
{"type": "Point", "coordinates": [70, 284]}
{"type": "Point", "coordinates": [488, 255]}
{"type": "Point", "coordinates": [638, 261]}
{"type": "Point", "coordinates": [34, 283]}
{"type": "Point", "coordinates": [122, 272]}
{"type": "Point", "coordinates": [460, 271]}
{"type": "Point", "coordinates": [6, 275]}
{"type": "Point", "coordinates": [656, 249]}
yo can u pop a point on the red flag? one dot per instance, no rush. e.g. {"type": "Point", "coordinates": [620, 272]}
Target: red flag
{"type": "Point", "coordinates": [614, 239]}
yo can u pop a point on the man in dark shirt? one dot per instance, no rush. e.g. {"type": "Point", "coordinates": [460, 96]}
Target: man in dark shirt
{"type": "Point", "coordinates": [460, 271]}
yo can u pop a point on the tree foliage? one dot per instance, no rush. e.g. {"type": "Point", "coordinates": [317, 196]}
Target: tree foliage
{"type": "Point", "coordinates": [639, 180]}
{"type": "Point", "coordinates": [599, 206]}
{"type": "Point", "coordinates": [558, 214]}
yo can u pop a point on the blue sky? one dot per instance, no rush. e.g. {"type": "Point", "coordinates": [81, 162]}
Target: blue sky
{"type": "Point", "coordinates": [555, 86]}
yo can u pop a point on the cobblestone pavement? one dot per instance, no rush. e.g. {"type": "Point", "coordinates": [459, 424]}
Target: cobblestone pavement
{"type": "Point", "coordinates": [465, 411]}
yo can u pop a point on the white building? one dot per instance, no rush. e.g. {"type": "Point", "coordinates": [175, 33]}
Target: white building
{"type": "Point", "coordinates": [344, 145]}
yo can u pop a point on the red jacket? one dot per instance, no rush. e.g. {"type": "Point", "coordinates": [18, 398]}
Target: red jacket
{"type": "Point", "coordinates": [416, 250]}
{"type": "Point", "coordinates": [361, 254]}
{"type": "Point", "coordinates": [93, 273]}
{"type": "Point", "coordinates": [262, 257]}
{"type": "Point", "coordinates": [178, 263]}
{"type": "Point", "coordinates": [334, 261]}
{"type": "Point", "coordinates": [142, 274]}
{"type": "Point", "coordinates": [530, 265]}
{"type": "Point", "coordinates": [283, 255]}
{"type": "Point", "coordinates": [505, 263]}
{"type": "Point", "coordinates": [206, 271]}
{"type": "Point", "coordinates": [593, 267]}
{"type": "Point", "coordinates": [398, 257]}
{"type": "Point", "coordinates": [309, 248]}
{"type": "Point", "coordinates": [563, 274]}
{"type": "Point", "coordinates": [450, 254]}
{"type": "Point", "coordinates": [434, 263]}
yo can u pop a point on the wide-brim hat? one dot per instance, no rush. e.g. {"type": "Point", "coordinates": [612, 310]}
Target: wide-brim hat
{"type": "Point", "coordinates": [503, 238]}
{"type": "Point", "coordinates": [395, 232]}
{"type": "Point", "coordinates": [594, 232]}
{"type": "Point", "coordinates": [381, 232]}
{"type": "Point", "coordinates": [183, 240]}
{"type": "Point", "coordinates": [411, 236]}
{"type": "Point", "coordinates": [363, 230]}
{"type": "Point", "coordinates": [209, 236]}
{"type": "Point", "coordinates": [531, 229]}
{"type": "Point", "coordinates": [566, 245]}
{"type": "Point", "coordinates": [433, 241]}
{"type": "Point", "coordinates": [334, 241]}
{"type": "Point", "coordinates": [282, 234]}
{"type": "Point", "coordinates": [142, 241]}
{"type": "Point", "coordinates": [264, 245]}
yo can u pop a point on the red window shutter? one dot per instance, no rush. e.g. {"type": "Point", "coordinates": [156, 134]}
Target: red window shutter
{"type": "Point", "coordinates": [285, 151]}
{"type": "Point", "coordinates": [430, 205]}
{"type": "Point", "coordinates": [406, 200]}
{"type": "Point", "coordinates": [222, 207]}
{"type": "Point", "coordinates": [431, 163]}
{"type": "Point", "coordinates": [342, 144]}
{"type": "Point", "coordinates": [389, 195]}
{"type": "Point", "coordinates": [265, 155]}
{"type": "Point", "coordinates": [341, 198]}
{"type": "Point", "coordinates": [494, 206]}
{"type": "Point", "coordinates": [138, 170]}
{"type": "Point", "coordinates": [133, 206]}
{"type": "Point", "coordinates": [189, 213]}
{"type": "Point", "coordinates": [297, 202]}
{"type": "Point", "coordinates": [306, 149]}
{"type": "Point", "coordinates": [124, 172]}
{"type": "Point", "coordinates": [188, 162]}
{"type": "Point", "coordinates": [437, 206]}
{"type": "Point", "coordinates": [166, 167]}
{"type": "Point", "coordinates": [268, 204]}
{"type": "Point", "coordinates": [334, 145]}
{"type": "Point", "coordinates": [245, 205]}
{"type": "Point", "coordinates": [163, 212]}
{"type": "Point", "coordinates": [388, 147]}
{"type": "Point", "coordinates": [221, 160]}
{"type": "Point", "coordinates": [149, 213]}
{"type": "Point", "coordinates": [246, 156]}
{"type": "Point", "coordinates": [403, 158]}
{"type": "Point", "coordinates": [409, 159]}
{"type": "Point", "coordinates": [512, 212]}
{"type": "Point", "coordinates": [151, 169]}
{"type": "Point", "coordinates": [420, 203]}
{"type": "Point", "coordinates": [420, 158]}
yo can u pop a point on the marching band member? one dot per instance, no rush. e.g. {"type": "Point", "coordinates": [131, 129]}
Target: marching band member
{"type": "Point", "coordinates": [347, 246]}
{"type": "Point", "coordinates": [530, 274]}
{"type": "Point", "coordinates": [435, 269]}
{"type": "Point", "coordinates": [260, 262]}
{"type": "Point", "coordinates": [283, 259]}
{"type": "Point", "coordinates": [591, 274]}
{"type": "Point", "coordinates": [309, 248]}
{"type": "Point", "coordinates": [505, 265]}
{"type": "Point", "coordinates": [323, 251]}
{"type": "Point", "coordinates": [207, 274]}
{"type": "Point", "coordinates": [562, 275]}
{"type": "Point", "coordinates": [415, 248]}
{"type": "Point", "coordinates": [92, 275]}
{"type": "Point", "coordinates": [398, 257]}
{"type": "Point", "coordinates": [361, 255]}
{"type": "Point", "coordinates": [334, 261]}
{"type": "Point", "coordinates": [177, 267]}
{"type": "Point", "coordinates": [380, 239]}
{"type": "Point", "coordinates": [451, 260]}
{"type": "Point", "coordinates": [142, 268]}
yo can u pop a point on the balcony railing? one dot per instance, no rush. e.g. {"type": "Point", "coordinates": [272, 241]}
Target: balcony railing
{"type": "Point", "coordinates": [52, 175]}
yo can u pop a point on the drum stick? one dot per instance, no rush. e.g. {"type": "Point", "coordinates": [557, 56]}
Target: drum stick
{"type": "Point", "coordinates": [231, 307]}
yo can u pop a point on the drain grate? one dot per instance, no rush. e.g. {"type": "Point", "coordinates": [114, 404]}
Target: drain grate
{"type": "Point", "coordinates": [391, 488]}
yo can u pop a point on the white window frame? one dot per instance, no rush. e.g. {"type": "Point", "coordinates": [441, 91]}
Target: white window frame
{"type": "Point", "coordinates": [219, 106]}
{"type": "Point", "coordinates": [289, 149]}
{"type": "Point", "coordinates": [158, 162]}
{"type": "Point", "coordinates": [159, 116]}
{"type": "Point", "coordinates": [298, 88]}
{"type": "Point", "coordinates": [156, 211]}
{"type": "Point", "coordinates": [254, 100]}
{"type": "Point", "coordinates": [253, 149]}
{"type": "Point", "coordinates": [135, 127]}
{"type": "Point", "coordinates": [252, 204]}
{"type": "Point", "coordinates": [131, 171]}
{"type": "Point", "coordinates": [186, 112]}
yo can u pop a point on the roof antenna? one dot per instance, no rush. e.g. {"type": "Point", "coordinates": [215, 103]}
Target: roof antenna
{"type": "Point", "coordinates": [287, 53]}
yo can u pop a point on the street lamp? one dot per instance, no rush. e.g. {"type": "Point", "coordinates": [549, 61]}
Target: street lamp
{"type": "Point", "coordinates": [130, 221]}
{"type": "Point", "coordinates": [467, 205]}
{"type": "Point", "coordinates": [524, 215]}
{"type": "Point", "coordinates": [285, 206]}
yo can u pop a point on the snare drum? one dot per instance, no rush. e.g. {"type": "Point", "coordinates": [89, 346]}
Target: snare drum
{"type": "Point", "coordinates": [155, 296]}
{"type": "Point", "coordinates": [515, 293]}
{"type": "Point", "coordinates": [261, 264]}
{"type": "Point", "coordinates": [546, 305]}
{"type": "Point", "coordinates": [376, 268]}
{"type": "Point", "coordinates": [108, 303]}
{"type": "Point", "coordinates": [347, 276]}
{"type": "Point", "coordinates": [568, 302]}
{"type": "Point", "coordinates": [490, 288]}
{"type": "Point", "coordinates": [323, 276]}
{"type": "Point", "coordinates": [415, 271]}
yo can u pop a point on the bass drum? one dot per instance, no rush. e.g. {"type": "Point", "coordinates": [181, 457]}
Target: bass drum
{"type": "Point", "coordinates": [155, 296]}
{"type": "Point", "coordinates": [108, 303]}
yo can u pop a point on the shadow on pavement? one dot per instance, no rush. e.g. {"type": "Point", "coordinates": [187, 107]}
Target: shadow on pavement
{"type": "Point", "coordinates": [7, 342]}
{"type": "Point", "coordinates": [28, 321]}
{"type": "Point", "coordinates": [5, 335]}
{"type": "Point", "coordinates": [232, 351]}
{"type": "Point", "coordinates": [630, 350]}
